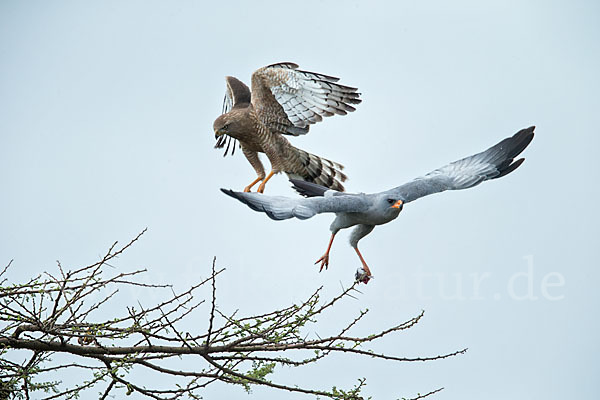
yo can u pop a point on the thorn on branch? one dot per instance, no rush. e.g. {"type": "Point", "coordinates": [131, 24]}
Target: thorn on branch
{"type": "Point", "coordinates": [53, 314]}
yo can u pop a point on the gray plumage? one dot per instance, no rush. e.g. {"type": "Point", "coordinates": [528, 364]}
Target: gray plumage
{"type": "Point", "coordinates": [365, 211]}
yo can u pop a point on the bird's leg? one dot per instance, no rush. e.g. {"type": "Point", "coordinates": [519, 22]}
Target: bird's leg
{"type": "Point", "coordinates": [367, 275]}
{"type": "Point", "coordinates": [325, 259]}
{"type": "Point", "coordinates": [261, 187]}
{"type": "Point", "coordinates": [252, 157]}
{"type": "Point", "coordinates": [254, 182]}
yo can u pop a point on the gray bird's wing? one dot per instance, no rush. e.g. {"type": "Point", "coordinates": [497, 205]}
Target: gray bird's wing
{"type": "Point", "coordinates": [493, 163]}
{"type": "Point", "coordinates": [279, 207]}
{"type": "Point", "coordinates": [288, 100]}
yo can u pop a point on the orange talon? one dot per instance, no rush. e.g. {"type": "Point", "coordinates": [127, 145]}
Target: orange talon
{"type": "Point", "coordinates": [261, 188]}
{"type": "Point", "coordinates": [254, 182]}
{"type": "Point", "coordinates": [324, 260]}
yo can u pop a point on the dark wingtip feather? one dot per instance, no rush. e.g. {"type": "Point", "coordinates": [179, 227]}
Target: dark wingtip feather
{"type": "Point", "coordinates": [284, 64]}
{"type": "Point", "coordinates": [510, 168]}
{"type": "Point", "coordinates": [516, 144]}
{"type": "Point", "coordinates": [238, 195]}
{"type": "Point", "coordinates": [220, 142]}
{"type": "Point", "coordinates": [308, 189]}
{"type": "Point", "coordinates": [226, 139]}
{"type": "Point", "coordinates": [520, 141]}
{"type": "Point", "coordinates": [233, 194]}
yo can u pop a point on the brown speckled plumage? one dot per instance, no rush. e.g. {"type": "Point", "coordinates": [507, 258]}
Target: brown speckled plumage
{"type": "Point", "coordinates": [283, 101]}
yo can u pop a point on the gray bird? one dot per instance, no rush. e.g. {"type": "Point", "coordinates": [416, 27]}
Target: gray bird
{"type": "Point", "coordinates": [365, 211]}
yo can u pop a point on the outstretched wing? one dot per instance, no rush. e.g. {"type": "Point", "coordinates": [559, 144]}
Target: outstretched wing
{"type": "Point", "coordinates": [279, 207]}
{"type": "Point", "coordinates": [493, 163]}
{"type": "Point", "coordinates": [288, 100]}
{"type": "Point", "coordinates": [236, 95]}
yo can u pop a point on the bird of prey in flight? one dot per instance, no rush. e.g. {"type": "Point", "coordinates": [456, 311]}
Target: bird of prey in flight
{"type": "Point", "coordinates": [365, 211]}
{"type": "Point", "coordinates": [284, 101]}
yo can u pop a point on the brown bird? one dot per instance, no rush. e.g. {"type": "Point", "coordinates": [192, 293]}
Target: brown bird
{"type": "Point", "coordinates": [284, 101]}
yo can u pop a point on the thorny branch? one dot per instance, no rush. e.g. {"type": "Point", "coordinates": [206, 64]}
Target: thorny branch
{"type": "Point", "coordinates": [52, 315]}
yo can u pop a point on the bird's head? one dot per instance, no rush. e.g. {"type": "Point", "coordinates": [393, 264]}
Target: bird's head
{"type": "Point", "coordinates": [233, 123]}
{"type": "Point", "coordinates": [390, 205]}
{"type": "Point", "coordinates": [221, 125]}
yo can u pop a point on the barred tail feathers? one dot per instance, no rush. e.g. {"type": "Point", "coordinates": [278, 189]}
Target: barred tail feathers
{"type": "Point", "coordinates": [318, 170]}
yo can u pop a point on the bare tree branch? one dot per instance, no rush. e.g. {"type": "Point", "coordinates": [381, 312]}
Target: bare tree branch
{"type": "Point", "coordinates": [56, 314]}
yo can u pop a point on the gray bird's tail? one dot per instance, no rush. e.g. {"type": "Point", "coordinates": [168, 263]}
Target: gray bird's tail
{"type": "Point", "coordinates": [318, 170]}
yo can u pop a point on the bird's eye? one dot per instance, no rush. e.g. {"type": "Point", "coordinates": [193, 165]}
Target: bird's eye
{"type": "Point", "coordinates": [390, 201]}
{"type": "Point", "coordinates": [226, 126]}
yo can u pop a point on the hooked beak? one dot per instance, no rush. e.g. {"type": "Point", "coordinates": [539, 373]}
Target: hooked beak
{"type": "Point", "coordinates": [219, 132]}
{"type": "Point", "coordinates": [397, 204]}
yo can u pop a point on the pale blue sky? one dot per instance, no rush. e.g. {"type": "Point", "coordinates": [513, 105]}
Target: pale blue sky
{"type": "Point", "coordinates": [106, 128]}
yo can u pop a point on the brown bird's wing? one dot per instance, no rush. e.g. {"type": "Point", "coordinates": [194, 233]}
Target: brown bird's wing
{"type": "Point", "coordinates": [236, 95]}
{"type": "Point", "coordinates": [288, 100]}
